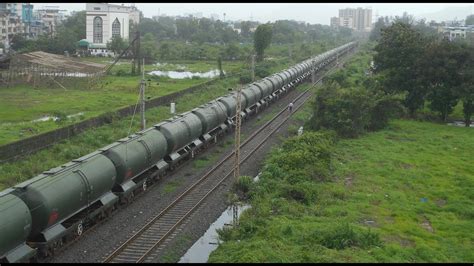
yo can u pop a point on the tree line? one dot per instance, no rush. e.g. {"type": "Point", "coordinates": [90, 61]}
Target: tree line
{"type": "Point", "coordinates": [183, 38]}
{"type": "Point", "coordinates": [426, 69]}
{"type": "Point", "coordinates": [411, 68]}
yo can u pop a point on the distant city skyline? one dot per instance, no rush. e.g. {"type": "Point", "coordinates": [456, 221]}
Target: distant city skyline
{"type": "Point", "coordinates": [314, 13]}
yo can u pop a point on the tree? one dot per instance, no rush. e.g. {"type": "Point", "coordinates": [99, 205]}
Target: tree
{"type": "Point", "coordinates": [165, 51]}
{"type": "Point", "coordinates": [469, 20]}
{"type": "Point", "coordinates": [117, 45]}
{"type": "Point", "coordinates": [232, 52]}
{"type": "Point", "coordinates": [17, 42]}
{"type": "Point", "coordinates": [352, 111]}
{"type": "Point", "coordinates": [76, 24]}
{"type": "Point", "coordinates": [149, 47]}
{"type": "Point", "coordinates": [466, 89]}
{"type": "Point", "coordinates": [378, 26]}
{"type": "Point", "coordinates": [262, 39]}
{"type": "Point", "coordinates": [397, 63]}
{"type": "Point", "coordinates": [245, 29]}
{"type": "Point", "coordinates": [440, 67]}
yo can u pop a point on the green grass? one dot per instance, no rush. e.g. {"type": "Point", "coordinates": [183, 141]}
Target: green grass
{"type": "Point", "coordinates": [172, 256]}
{"type": "Point", "coordinates": [403, 194]}
{"type": "Point", "coordinates": [211, 158]}
{"type": "Point", "coordinates": [86, 142]}
{"type": "Point", "coordinates": [21, 104]}
{"type": "Point", "coordinates": [171, 186]}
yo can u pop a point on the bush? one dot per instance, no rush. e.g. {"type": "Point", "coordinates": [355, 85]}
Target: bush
{"type": "Point", "coordinates": [343, 235]}
{"type": "Point", "coordinates": [121, 72]}
{"type": "Point", "coordinates": [385, 108]}
{"type": "Point", "coordinates": [243, 184]}
{"type": "Point", "coordinates": [300, 155]}
{"type": "Point", "coordinates": [352, 111]}
{"type": "Point", "coordinates": [245, 79]}
{"type": "Point", "coordinates": [60, 117]}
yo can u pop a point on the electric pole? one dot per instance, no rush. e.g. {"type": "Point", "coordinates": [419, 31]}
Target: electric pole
{"type": "Point", "coordinates": [235, 208]}
{"type": "Point", "coordinates": [253, 67]}
{"type": "Point", "coordinates": [142, 97]}
{"type": "Point", "coordinates": [138, 54]}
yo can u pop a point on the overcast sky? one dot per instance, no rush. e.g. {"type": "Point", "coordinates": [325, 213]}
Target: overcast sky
{"type": "Point", "coordinates": [314, 13]}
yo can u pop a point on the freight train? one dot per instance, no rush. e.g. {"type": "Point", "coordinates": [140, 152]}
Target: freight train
{"type": "Point", "coordinates": [39, 215]}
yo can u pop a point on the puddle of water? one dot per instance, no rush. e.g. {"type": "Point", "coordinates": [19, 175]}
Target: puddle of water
{"type": "Point", "coordinates": [199, 252]}
{"type": "Point", "coordinates": [67, 74]}
{"type": "Point", "coordinates": [54, 118]}
{"type": "Point", "coordinates": [179, 67]}
{"type": "Point", "coordinates": [185, 74]}
{"type": "Point", "coordinates": [460, 124]}
{"type": "Point", "coordinates": [45, 118]}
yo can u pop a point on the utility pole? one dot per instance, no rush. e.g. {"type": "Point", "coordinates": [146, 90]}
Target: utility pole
{"type": "Point", "coordinates": [142, 97]}
{"type": "Point", "coordinates": [235, 208]}
{"type": "Point", "coordinates": [253, 67]}
{"type": "Point", "coordinates": [136, 54]}
{"type": "Point", "coordinates": [313, 75]}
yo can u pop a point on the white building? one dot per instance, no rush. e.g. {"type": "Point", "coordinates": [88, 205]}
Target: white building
{"type": "Point", "coordinates": [105, 21]}
{"type": "Point", "coordinates": [452, 33]}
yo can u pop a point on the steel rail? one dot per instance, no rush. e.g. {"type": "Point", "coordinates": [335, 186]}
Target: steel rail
{"type": "Point", "coordinates": [169, 209]}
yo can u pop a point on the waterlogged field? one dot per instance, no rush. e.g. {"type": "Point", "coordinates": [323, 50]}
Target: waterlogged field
{"type": "Point", "coordinates": [403, 194]}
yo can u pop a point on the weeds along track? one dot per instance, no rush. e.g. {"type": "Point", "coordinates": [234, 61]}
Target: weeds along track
{"type": "Point", "coordinates": [151, 238]}
{"type": "Point", "coordinates": [142, 245]}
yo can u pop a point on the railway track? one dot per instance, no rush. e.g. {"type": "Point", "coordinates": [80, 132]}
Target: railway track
{"type": "Point", "coordinates": [147, 241]}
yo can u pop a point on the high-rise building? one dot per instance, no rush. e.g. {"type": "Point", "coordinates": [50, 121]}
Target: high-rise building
{"type": "Point", "coordinates": [49, 17]}
{"type": "Point", "coordinates": [359, 19]}
{"type": "Point", "coordinates": [10, 21]}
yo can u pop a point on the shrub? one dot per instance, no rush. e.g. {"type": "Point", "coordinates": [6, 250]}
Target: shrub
{"type": "Point", "coordinates": [121, 72]}
{"type": "Point", "coordinates": [299, 155]}
{"type": "Point", "coordinates": [300, 192]}
{"type": "Point", "coordinates": [352, 111]}
{"type": "Point", "coordinates": [343, 235]}
{"type": "Point", "coordinates": [243, 184]}
{"type": "Point", "coordinates": [246, 78]}
{"type": "Point", "coordinates": [61, 117]}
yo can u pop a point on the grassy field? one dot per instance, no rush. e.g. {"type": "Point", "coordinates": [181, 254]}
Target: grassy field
{"type": "Point", "coordinates": [403, 194]}
{"type": "Point", "coordinates": [21, 104]}
{"type": "Point", "coordinates": [95, 138]}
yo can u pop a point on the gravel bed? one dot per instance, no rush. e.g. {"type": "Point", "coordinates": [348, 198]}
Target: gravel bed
{"type": "Point", "coordinates": [100, 241]}
{"type": "Point", "coordinates": [198, 222]}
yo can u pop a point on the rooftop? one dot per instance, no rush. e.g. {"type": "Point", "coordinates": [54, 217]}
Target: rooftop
{"type": "Point", "coordinates": [60, 63]}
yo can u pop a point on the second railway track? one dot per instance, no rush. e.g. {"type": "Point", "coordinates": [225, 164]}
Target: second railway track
{"type": "Point", "coordinates": [150, 237]}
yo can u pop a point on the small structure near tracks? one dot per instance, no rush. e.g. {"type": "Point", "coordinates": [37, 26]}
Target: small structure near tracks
{"type": "Point", "coordinates": [50, 70]}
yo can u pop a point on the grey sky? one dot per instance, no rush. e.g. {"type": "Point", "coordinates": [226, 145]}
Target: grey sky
{"type": "Point", "coordinates": [309, 12]}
